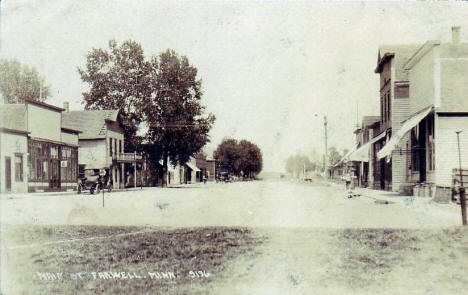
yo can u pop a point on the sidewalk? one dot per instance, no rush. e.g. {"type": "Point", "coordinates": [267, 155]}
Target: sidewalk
{"type": "Point", "coordinates": [64, 193]}
{"type": "Point", "coordinates": [419, 204]}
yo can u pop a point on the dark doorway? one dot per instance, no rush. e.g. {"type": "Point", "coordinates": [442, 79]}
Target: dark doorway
{"type": "Point", "coordinates": [54, 174]}
{"type": "Point", "coordinates": [382, 174]}
{"type": "Point", "coordinates": [8, 173]}
{"type": "Point", "coordinates": [422, 150]}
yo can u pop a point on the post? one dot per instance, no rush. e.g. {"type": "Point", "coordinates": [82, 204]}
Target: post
{"type": "Point", "coordinates": [102, 187]}
{"type": "Point", "coordinates": [134, 169]}
{"type": "Point", "coordinates": [462, 188]}
{"type": "Point", "coordinates": [141, 173]}
{"type": "Point", "coordinates": [326, 146]}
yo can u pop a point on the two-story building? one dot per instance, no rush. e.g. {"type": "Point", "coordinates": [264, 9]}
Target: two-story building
{"type": "Point", "coordinates": [101, 144]}
{"type": "Point", "coordinates": [438, 76]}
{"type": "Point", "coordinates": [390, 172]}
{"type": "Point", "coordinates": [52, 149]}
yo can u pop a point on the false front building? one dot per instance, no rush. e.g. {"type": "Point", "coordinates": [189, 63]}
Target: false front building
{"type": "Point", "coordinates": [101, 144]}
{"type": "Point", "coordinates": [49, 161]}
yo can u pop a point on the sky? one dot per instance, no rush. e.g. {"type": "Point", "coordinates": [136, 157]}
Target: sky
{"type": "Point", "coordinates": [270, 70]}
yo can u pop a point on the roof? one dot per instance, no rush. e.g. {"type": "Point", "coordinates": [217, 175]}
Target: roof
{"type": "Point", "coordinates": [370, 120]}
{"type": "Point", "coordinates": [91, 123]}
{"type": "Point", "coordinates": [13, 117]}
{"type": "Point", "coordinates": [401, 54]}
{"type": "Point", "coordinates": [43, 104]}
{"type": "Point", "coordinates": [447, 50]}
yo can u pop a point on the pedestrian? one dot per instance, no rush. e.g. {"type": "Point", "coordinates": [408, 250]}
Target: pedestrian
{"type": "Point", "coordinates": [347, 179]}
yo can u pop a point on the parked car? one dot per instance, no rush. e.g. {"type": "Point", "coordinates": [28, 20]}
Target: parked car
{"type": "Point", "coordinates": [91, 180]}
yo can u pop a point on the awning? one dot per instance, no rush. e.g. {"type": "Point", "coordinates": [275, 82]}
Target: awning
{"type": "Point", "coordinates": [362, 153]}
{"type": "Point", "coordinates": [345, 158]}
{"type": "Point", "coordinates": [405, 128]}
{"type": "Point", "coordinates": [193, 167]}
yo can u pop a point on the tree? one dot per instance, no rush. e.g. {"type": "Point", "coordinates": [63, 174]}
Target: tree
{"type": "Point", "coordinates": [251, 160]}
{"type": "Point", "coordinates": [227, 154]}
{"type": "Point", "coordinates": [19, 82]}
{"type": "Point", "coordinates": [243, 157]}
{"type": "Point", "coordinates": [163, 92]}
{"type": "Point", "coordinates": [296, 165]}
{"type": "Point", "coordinates": [173, 110]}
{"type": "Point", "coordinates": [118, 79]}
{"type": "Point", "coordinates": [334, 156]}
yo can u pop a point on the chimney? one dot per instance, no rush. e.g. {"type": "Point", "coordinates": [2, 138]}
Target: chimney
{"type": "Point", "coordinates": [455, 34]}
{"type": "Point", "coordinates": [66, 106]}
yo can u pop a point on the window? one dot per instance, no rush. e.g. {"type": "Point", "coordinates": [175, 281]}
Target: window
{"type": "Point", "coordinates": [18, 167]}
{"type": "Point", "coordinates": [38, 169]}
{"type": "Point", "coordinates": [110, 147]}
{"type": "Point", "coordinates": [45, 165]}
{"type": "Point", "coordinates": [120, 146]}
{"type": "Point", "coordinates": [54, 152]}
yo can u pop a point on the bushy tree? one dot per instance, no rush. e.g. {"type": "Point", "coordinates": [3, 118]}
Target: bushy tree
{"type": "Point", "coordinates": [164, 93]}
{"type": "Point", "coordinates": [251, 161]}
{"type": "Point", "coordinates": [176, 118]}
{"type": "Point", "coordinates": [243, 157]}
{"type": "Point", "coordinates": [118, 79]}
{"type": "Point", "coordinates": [19, 82]}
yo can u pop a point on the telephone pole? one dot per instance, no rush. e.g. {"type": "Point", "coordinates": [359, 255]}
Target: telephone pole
{"type": "Point", "coordinates": [326, 146]}
{"type": "Point", "coordinates": [462, 187]}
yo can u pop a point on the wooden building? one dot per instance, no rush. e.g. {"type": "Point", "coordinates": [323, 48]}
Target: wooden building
{"type": "Point", "coordinates": [101, 145]}
{"type": "Point", "coordinates": [438, 76]}
{"type": "Point", "coordinates": [52, 151]}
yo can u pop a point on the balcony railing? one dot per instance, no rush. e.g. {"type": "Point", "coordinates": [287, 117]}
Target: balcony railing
{"type": "Point", "coordinates": [127, 157]}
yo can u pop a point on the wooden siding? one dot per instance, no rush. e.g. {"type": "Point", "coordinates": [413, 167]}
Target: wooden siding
{"type": "Point", "coordinates": [454, 85]}
{"type": "Point", "coordinates": [421, 81]}
{"type": "Point", "coordinates": [446, 149]}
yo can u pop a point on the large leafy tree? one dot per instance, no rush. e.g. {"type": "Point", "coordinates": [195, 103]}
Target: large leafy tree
{"type": "Point", "coordinates": [176, 118]}
{"type": "Point", "coordinates": [227, 154]}
{"type": "Point", "coordinates": [164, 93]}
{"type": "Point", "coordinates": [19, 82]}
{"type": "Point", "coordinates": [251, 158]}
{"type": "Point", "coordinates": [118, 79]}
{"type": "Point", "coordinates": [242, 157]}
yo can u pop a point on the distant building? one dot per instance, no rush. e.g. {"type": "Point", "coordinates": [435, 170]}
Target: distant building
{"type": "Point", "coordinates": [207, 167]}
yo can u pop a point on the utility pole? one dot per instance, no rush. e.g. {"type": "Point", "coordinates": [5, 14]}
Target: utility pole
{"type": "Point", "coordinates": [462, 188]}
{"type": "Point", "coordinates": [326, 146]}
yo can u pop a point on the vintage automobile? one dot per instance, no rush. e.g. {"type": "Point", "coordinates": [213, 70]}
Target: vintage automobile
{"type": "Point", "coordinates": [94, 180]}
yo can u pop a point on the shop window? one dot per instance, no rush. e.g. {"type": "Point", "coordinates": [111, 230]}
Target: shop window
{"type": "Point", "coordinates": [45, 166]}
{"type": "Point", "coordinates": [38, 169]}
{"type": "Point", "coordinates": [54, 152]}
{"type": "Point", "coordinates": [18, 167]}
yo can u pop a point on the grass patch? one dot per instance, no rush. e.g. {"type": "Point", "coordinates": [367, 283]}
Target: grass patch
{"type": "Point", "coordinates": [156, 251]}
{"type": "Point", "coordinates": [379, 259]}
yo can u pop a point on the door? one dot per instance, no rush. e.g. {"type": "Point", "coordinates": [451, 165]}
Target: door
{"type": "Point", "coordinates": [8, 174]}
{"type": "Point", "coordinates": [382, 174]}
{"type": "Point", "coordinates": [54, 174]}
